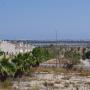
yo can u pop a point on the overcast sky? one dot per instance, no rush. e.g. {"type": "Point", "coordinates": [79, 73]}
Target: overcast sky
{"type": "Point", "coordinates": [39, 19]}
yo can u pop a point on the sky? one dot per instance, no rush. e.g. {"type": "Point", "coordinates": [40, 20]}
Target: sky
{"type": "Point", "coordinates": [41, 19]}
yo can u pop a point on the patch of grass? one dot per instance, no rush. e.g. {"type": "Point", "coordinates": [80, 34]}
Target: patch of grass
{"type": "Point", "coordinates": [80, 72]}
{"type": "Point", "coordinates": [84, 73]}
{"type": "Point", "coordinates": [48, 70]}
{"type": "Point", "coordinates": [35, 87]}
{"type": "Point", "coordinates": [6, 85]}
{"type": "Point", "coordinates": [49, 83]}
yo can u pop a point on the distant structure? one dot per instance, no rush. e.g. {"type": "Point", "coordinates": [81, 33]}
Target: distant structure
{"type": "Point", "coordinates": [22, 46]}
{"type": "Point", "coordinates": [13, 48]}
{"type": "Point", "coordinates": [63, 43]}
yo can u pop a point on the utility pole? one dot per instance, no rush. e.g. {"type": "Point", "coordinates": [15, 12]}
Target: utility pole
{"type": "Point", "coordinates": [56, 50]}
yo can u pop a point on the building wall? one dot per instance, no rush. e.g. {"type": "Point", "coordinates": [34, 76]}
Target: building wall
{"type": "Point", "coordinates": [15, 48]}
{"type": "Point", "coordinates": [7, 47]}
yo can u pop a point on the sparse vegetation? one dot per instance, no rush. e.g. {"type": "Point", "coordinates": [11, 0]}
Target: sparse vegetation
{"type": "Point", "coordinates": [73, 57]}
{"type": "Point", "coordinates": [6, 85]}
{"type": "Point", "coordinates": [27, 63]}
{"type": "Point", "coordinates": [35, 87]}
{"type": "Point", "coordinates": [86, 55]}
{"type": "Point", "coordinates": [22, 63]}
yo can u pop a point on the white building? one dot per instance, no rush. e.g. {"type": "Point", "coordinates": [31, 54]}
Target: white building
{"type": "Point", "coordinates": [15, 48]}
{"type": "Point", "coordinates": [7, 47]}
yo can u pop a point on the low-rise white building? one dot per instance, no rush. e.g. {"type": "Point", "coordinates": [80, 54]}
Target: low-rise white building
{"type": "Point", "coordinates": [7, 47]}
{"type": "Point", "coordinates": [15, 48]}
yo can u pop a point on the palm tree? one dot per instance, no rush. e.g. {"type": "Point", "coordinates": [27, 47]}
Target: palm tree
{"type": "Point", "coordinates": [22, 62]}
{"type": "Point", "coordinates": [7, 69]}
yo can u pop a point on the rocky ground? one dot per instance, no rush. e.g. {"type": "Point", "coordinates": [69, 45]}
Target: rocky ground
{"type": "Point", "coordinates": [50, 81]}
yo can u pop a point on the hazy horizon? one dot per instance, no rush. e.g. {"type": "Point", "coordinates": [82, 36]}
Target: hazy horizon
{"type": "Point", "coordinates": [39, 19]}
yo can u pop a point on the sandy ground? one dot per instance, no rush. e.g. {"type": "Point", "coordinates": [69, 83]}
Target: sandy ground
{"type": "Point", "coordinates": [46, 81]}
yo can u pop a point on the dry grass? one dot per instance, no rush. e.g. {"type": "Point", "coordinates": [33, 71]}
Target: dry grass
{"type": "Point", "coordinates": [84, 73]}
{"type": "Point", "coordinates": [35, 87]}
{"type": "Point", "coordinates": [80, 72]}
{"type": "Point", "coordinates": [6, 85]}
